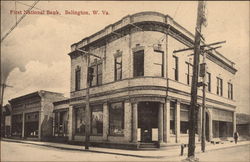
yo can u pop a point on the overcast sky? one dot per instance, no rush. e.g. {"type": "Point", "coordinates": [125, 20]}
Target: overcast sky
{"type": "Point", "coordinates": [34, 55]}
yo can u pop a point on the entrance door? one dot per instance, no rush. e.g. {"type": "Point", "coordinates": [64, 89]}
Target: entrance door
{"type": "Point", "coordinates": [147, 119]}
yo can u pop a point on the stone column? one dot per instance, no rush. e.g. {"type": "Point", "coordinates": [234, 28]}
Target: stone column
{"type": "Point", "coordinates": [134, 122]}
{"type": "Point", "coordinates": [41, 116]}
{"type": "Point", "coordinates": [160, 123]}
{"type": "Point", "coordinates": [53, 123]}
{"type": "Point", "coordinates": [210, 125]}
{"type": "Point", "coordinates": [70, 123]}
{"type": "Point", "coordinates": [23, 125]}
{"type": "Point", "coordinates": [234, 122]}
{"type": "Point", "coordinates": [177, 121]}
{"type": "Point", "coordinates": [105, 121]}
{"type": "Point", "coordinates": [166, 125]}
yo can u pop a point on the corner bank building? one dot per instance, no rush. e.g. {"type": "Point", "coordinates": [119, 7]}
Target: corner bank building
{"type": "Point", "coordinates": [140, 92]}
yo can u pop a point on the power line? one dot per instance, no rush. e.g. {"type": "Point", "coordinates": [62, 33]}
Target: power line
{"type": "Point", "coordinates": [18, 21]}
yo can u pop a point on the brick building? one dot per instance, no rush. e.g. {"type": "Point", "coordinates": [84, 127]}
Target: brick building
{"type": "Point", "coordinates": [31, 115]}
{"type": "Point", "coordinates": [140, 91]}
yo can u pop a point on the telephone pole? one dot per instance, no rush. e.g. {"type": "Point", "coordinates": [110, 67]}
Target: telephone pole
{"type": "Point", "coordinates": [87, 107]}
{"type": "Point", "coordinates": [194, 106]}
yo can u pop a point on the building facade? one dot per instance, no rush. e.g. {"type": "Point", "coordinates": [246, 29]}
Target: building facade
{"type": "Point", "coordinates": [140, 92]}
{"type": "Point", "coordinates": [31, 115]}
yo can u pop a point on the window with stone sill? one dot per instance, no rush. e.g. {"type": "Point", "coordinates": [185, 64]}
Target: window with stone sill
{"type": "Point", "coordinates": [230, 90]}
{"type": "Point", "coordinates": [139, 63]}
{"type": "Point", "coordinates": [118, 68]}
{"type": "Point", "coordinates": [77, 78]}
{"type": "Point", "coordinates": [97, 75]}
{"type": "Point", "coordinates": [176, 67]}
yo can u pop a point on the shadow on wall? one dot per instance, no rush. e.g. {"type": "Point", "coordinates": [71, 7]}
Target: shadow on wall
{"type": "Point", "coordinates": [46, 128]}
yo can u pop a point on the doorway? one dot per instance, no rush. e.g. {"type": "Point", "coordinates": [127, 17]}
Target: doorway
{"type": "Point", "coordinates": [148, 121]}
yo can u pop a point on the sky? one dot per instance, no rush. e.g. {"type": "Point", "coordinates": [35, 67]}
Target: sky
{"type": "Point", "coordinates": [34, 55]}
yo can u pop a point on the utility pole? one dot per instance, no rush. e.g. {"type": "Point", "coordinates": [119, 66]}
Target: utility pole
{"type": "Point", "coordinates": [193, 108]}
{"type": "Point", "coordinates": [87, 107]}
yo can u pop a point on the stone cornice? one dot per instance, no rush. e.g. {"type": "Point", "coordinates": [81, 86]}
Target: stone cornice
{"type": "Point", "coordinates": [164, 23]}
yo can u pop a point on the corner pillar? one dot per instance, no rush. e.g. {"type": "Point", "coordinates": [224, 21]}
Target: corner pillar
{"type": "Point", "coordinates": [160, 123]}
{"type": "Point", "coordinates": [105, 121]}
{"type": "Point", "coordinates": [234, 122]}
{"type": "Point", "coordinates": [134, 122]}
{"type": "Point", "coordinates": [166, 124]}
{"type": "Point", "coordinates": [70, 123]}
{"type": "Point", "coordinates": [177, 121]}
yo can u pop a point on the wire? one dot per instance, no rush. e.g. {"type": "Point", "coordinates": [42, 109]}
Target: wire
{"type": "Point", "coordinates": [19, 20]}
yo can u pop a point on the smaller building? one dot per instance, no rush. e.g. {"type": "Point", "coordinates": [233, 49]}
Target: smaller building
{"type": "Point", "coordinates": [61, 119]}
{"type": "Point", "coordinates": [31, 115]}
{"type": "Point", "coordinates": [243, 125]}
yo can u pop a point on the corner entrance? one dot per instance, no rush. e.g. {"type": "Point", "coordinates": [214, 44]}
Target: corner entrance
{"type": "Point", "coordinates": [148, 121]}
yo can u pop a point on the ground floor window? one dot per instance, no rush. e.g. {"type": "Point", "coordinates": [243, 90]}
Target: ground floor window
{"type": "Point", "coordinates": [172, 117]}
{"type": "Point", "coordinates": [16, 128]}
{"type": "Point", "coordinates": [184, 118]}
{"type": "Point", "coordinates": [116, 118]}
{"type": "Point", "coordinates": [61, 123]}
{"type": "Point", "coordinates": [222, 129]}
{"type": "Point", "coordinates": [80, 120]}
{"type": "Point", "coordinates": [97, 120]}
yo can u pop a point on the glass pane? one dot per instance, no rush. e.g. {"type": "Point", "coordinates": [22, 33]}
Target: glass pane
{"type": "Point", "coordinates": [97, 120]}
{"type": "Point", "coordinates": [80, 120]}
{"type": "Point", "coordinates": [116, 119]}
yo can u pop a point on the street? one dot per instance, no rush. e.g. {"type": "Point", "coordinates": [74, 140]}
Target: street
{"type": "Point", "coordinates": [11, 151]}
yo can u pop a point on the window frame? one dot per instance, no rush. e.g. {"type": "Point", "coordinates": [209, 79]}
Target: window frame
{"type": "Point", "coordinates": [117, 69]}
{"type": "Point", "coordinates": [230, 90]}
{"type": "Point", "coordinates": [176, 68]}
{"type": "Point", "coordinates": [136, 65]}
{"type": "Point", "coordinates": [97, 74]}
{"type": "Point", "coordinates": [91, 120]}
{"type": "Point", "coordinates": [208, 81]}
{"type": "Point", "coordinates": [189, 74]}
{"type": "Point", "coordinates": [122, 120]}
{"type": "Point", "coordinates": [77, 78]}
{"type": "Point", "coordinates": [219, 90]}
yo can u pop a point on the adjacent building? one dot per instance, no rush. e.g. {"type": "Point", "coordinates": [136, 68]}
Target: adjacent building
{"type": "Point", "coordinates": [140, 92]}
{"type": "Point", "coordinates": [32, 115]}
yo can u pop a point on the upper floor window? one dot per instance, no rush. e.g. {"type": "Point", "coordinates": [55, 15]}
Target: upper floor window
{"type": "Point", "coordinates": [77, 78]}
{"type": "Point", "coordinates": [219, 86]}
{"type": "Point", "coordinates": [230, 91]}
{"type": "Point", "coordinates": [157, 60]}
{"type": "Point", "coordinates": [175, 68]}
{"type": "Point", "coordinates": [118, 68]}
{"type": "Point", "coordinates": [97, 74]}
{"type": "Point", "coordinates": [189, 73]}
{"type": "Point", "coordinates": [139, 63]}
{"type": "Point", "coordinates": [208, 81]}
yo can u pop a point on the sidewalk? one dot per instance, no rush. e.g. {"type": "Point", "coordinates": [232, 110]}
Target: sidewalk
{"type": "Point", "coordinates": [156, 153]}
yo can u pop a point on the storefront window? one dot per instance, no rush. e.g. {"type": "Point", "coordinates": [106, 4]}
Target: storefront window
{"type": "Point", "coordinates": [116, 119]}
{"type": "Point", "coordinates": [184, 116]}
{"type": "Point", "coordinates": [80, 120]}
{"type": "Point", "coordinates": [172, 117]}
{"type": "Point", "coordinates": [97, 120]}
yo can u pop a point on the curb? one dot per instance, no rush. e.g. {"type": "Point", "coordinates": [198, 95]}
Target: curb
{"type": "Point", "coordinates": [113, 153]}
